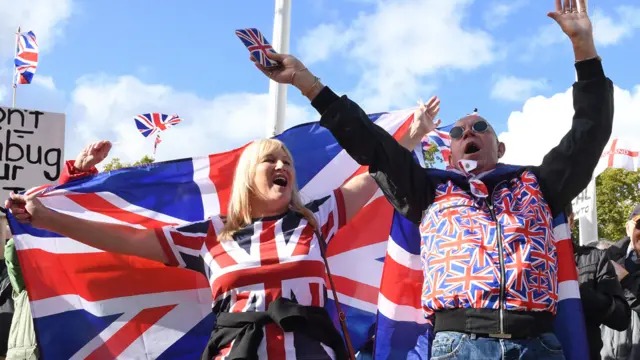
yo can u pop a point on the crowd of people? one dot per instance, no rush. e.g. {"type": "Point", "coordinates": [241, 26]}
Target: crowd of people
{"type": "Point", "coordinates": [486, 320]}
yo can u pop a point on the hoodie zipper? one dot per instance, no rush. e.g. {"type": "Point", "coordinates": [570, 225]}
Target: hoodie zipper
{"type": "Point", "coordinates": [489, 202]}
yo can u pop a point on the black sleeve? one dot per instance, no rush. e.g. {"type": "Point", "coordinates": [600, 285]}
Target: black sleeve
{"type": "Point", "coordinates": [612, 306]}
{"type": "Point", "coordinates": [403, 181]}
{"type": "Point", "coordinates": [567, 169]}
{"type": "Point", "coordinates": [631, 286]}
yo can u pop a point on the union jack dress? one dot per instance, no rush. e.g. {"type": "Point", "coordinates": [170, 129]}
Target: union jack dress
{"type": "Point", "coordinates": [272, 257]}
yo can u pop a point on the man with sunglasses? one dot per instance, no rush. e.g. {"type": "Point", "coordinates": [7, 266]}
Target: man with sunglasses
{"type": "Point", "coordinates": [488, 249]}
{"type": "Point", "coordinates": [626, 256]}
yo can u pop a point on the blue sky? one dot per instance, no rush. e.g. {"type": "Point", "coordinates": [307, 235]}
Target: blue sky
{"type": "Point", "coordinates": [103, 62]}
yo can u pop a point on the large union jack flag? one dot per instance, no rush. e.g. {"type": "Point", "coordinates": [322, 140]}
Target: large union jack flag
{"type": "Point", "coordinates": [88, 304]}
{"type": "Point", "coordinates": [257, 45]}
{"type": "Point", "coordinates": [26, 60]}
{"type": "Point", "coordinates": [152, 123]}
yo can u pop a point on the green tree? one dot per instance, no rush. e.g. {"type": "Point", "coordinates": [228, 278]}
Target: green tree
{"type": "Point", "coordinates": [616, 194]}
{"type": "Point", "coordinates": [116, 164]}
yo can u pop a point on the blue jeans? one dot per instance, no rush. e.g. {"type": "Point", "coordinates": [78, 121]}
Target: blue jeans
{"type": "Point", "coordinates": [455, 345]}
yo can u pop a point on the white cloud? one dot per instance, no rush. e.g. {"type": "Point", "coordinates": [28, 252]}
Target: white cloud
{"type": "Point", "coordinates": [401, 43]}
{"type": "Point", "coordinates": [607, 30]}
{"type": "Point", "coordinates": [498, 12]}
{"type": "Point", "coordinates": [323, 41]}
{"type": "Point", "coordinates": [513, 88]}
{"type": "Point", "coordinates": [103, 107]}
{"type": "Point", "coordinates": [44, 81]}
{"type": "Point", "coordinates": [543, 121]}
{"type": "Point", "coordinates": [44, 17]}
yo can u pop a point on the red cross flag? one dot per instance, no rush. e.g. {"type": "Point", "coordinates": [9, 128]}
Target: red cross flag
{"type": "Point", "coordinates": [620, 154]}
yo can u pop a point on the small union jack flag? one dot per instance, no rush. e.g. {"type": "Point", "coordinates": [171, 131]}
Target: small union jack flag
{"type": "Point", "coordinates": [155, 144]}
{"type": "Point", "coordinates": [150, 124]}
{"type": "Point", "coordinates": [257, 45]}
{"type": "Point", "coordinates": [26, 60]}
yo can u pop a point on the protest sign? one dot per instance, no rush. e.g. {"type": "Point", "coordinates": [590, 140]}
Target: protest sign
{"type": "Point", "coordinates": [31, 149]}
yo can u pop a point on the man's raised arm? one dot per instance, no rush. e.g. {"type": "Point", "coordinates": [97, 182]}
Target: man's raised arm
{"type": "Point", "coordinates": [567, 169]}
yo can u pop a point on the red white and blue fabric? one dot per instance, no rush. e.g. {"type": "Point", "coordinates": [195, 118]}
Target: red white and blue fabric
{"type": "Point", "coordinates": [152, 123]}
{"type": "Point", "coordinates": [403, 330]}
{"type": "Point", "coordinates": [26, 60]}
{"type": "Point", "coordinates": [88, 304]}
{"type": "Point", "coordinates": [273, 257]}
{"type": "Point", "coordinates": [441, 139]}
{"type": "Point", "coordinates": [257, 45]}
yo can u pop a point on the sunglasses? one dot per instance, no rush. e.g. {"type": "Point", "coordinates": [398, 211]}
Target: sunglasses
{"type": "Point", "coordinates": [478, 127]}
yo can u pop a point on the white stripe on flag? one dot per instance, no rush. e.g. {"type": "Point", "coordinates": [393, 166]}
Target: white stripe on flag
{"type": "Point", "coordinates": [104, 335]}
{"type": "Point", "coordinates": [403, 257]}
{"type": "Point", "coordinates": [368, 271]}
{"type": "Point", "coordinates": [69, 302]}
{"type": "Point", "coordinates": [53, 245]}
{"type": "Point", "coordinates": [353, 302]}
{"type": "Point", "coordinates": [208, 191]}
{"type": "Point", "coordinates": [399, 312]}
{"type": "Point", "coordinates": [568, 289]}
{"type": "Point", "coordinates": [164, 333]}
{"type": "Point", "coordinates": [342, 166]}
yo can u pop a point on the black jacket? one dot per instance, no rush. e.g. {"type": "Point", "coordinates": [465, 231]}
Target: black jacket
{"type": "Point", "coordinates": [603, 300]}
{"type": "Point", "coordinates": [565, 171]}
{"type": "Point", "coordinates": [630, 283]}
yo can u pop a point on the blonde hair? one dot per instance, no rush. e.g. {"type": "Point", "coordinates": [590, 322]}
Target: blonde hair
{"type": "Point", "coordinates": [239, 210]}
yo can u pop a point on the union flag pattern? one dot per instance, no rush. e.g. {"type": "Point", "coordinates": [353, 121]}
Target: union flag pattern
{"type": "Point", "coordinates": [126, 307]}
{"type": "Point", "coordinates": [270, 258]}
{"type": "Point", "coordinates": [26, 60]}
{"type": "Point", "coordinates": [462, 255]}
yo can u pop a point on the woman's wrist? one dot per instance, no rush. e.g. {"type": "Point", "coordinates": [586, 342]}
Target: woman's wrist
{"type": "Point", "coordinates": [308, 84]}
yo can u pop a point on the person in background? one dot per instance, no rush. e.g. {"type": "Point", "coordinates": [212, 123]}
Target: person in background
{"type": "Point", "coordinates": [625, 256]}
{"type": "Point", "coordinates": [22, 343]}
{"type": "Point", "coordinates": [603, 300]}
{"type": "Point", "coordinates": [6, 302]}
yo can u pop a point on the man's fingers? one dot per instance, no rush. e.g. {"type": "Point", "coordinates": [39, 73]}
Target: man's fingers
{"type": "Point", "coordinates": [17, 198]}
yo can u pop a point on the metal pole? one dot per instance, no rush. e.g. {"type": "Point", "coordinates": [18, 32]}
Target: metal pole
{"type": "Point", "coordinates": [280, 43]}
{"type": "Point", "coordinates": [14, 78]}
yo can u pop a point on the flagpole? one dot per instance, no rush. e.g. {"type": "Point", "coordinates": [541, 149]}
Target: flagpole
{"type": "Point", "coordinates": [280, 43]}
{"type": "Point", "coordinates": [14, 78]}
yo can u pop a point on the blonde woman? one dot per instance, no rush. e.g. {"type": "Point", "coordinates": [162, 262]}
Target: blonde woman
{"type": "Point", "coordinates": [263, 260]}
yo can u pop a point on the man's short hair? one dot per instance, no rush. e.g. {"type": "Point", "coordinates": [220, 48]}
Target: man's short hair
{"type": "Point", "coordinates": [635, 214]}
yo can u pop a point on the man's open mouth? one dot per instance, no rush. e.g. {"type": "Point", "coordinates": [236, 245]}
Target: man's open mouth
{"type": "Point", "coordinates": [471, 148]}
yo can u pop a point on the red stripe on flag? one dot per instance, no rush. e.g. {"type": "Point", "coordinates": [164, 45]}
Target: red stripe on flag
{"type": "Point", "coordinates": [217, 251]}
{"type": "Point", "coordinates": [272, 273]}
{"type": "Point", "coordinates": [189, 242]}
{"type": "Point", "coordinates": [222, 167]}
{"type": "Point", "coordinates": [101, 276]}
{"type": "Point", "coordinates": [95, 203]}
{"type": "Point", "coordinates": [131, 331]}
{"type": "Point", "coordinates": [304, 241]}
{"type": "Point", "coordinates": [402, 285]}
{"type": "Point", "coordinates": [370, 226]}
{"type": "Point", "coordinates": [315, 294]}
{"type": "Point", "coordinates": [566, 263]}
{"type": "Point", "coordinates": [354, 289]}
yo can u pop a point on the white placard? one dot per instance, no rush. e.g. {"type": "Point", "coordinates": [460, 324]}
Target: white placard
{"type": "Point", "coordinates": [584, 203]}
{"type": "Point", "coordinates": [31, 149]}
